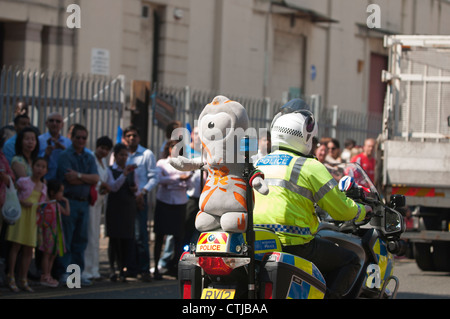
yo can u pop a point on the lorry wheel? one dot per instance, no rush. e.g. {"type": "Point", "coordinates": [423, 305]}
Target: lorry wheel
{"type": "Point", "coordinates": [441, 251]}
{"type": "Point", "coordinates": [423, 256]}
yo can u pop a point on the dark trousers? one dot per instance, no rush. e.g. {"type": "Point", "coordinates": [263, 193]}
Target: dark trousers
{"type": "Point", "coordinates": [338, 265]}
{"type": "Point", "coordinates": [190, 232]}
{"type": "Point", "coordinates": [75, 234]}
{"type": "Point", "coordinates": [172, 264]}
{"type": "Point", "coordinates": [142, 246]}
{"type": "Point", "coordinates": [140, 251]}
{"type": "Point", "coordinates": [119, 253]}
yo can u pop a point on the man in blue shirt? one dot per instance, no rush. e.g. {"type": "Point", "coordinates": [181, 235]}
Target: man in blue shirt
{"type": "Point", "coordinates": [78, 171]}
{"type": "Point", "coordinates": [148, 179]}
{"type": "Point", "coordinates": [52, 143]}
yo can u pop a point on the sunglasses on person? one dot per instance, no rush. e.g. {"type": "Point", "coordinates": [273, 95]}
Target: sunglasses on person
{"type": "Point", "coordinates": [81, 137]}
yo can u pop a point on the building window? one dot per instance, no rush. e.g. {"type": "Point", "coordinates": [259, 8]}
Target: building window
{"type": "Point", "coordinates": [145, 11]}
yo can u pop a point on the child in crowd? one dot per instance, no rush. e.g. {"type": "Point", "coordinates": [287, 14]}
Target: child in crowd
{"type": "Point", "coordinates": [121, 212]}
{"type": "Point", "coordinates": [50, 237]}
{"type": "Point", "coordinates": [22, 235]}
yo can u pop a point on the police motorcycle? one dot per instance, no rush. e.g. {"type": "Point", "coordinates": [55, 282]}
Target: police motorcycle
{"type": "Point", "coordinates": [222, 265]}
{"type": "Point", "coordinates": [375, 240]}
{"type": "Point", "coordinates": [251, 265]}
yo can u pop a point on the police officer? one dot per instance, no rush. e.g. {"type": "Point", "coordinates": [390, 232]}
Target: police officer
{"type": "Point", "coordinates": [296, 182]}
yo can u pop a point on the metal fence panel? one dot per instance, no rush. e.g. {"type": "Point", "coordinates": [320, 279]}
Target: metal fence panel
{"type": "Point", "coordinates": [343, 124]}
{"type": "Point", "coordinates": [98, 102]}
{"type": "Point", "coordinates": [93, 101]}
{"type": "Point", "coordinates": [189, 103]}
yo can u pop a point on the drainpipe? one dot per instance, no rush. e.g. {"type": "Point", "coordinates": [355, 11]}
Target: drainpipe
{"type": "Point", "coordinates": [266, 52]}
{"type": "Point", "coordinates": [327, 58]}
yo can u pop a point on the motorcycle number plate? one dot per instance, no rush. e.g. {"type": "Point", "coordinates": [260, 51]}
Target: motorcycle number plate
{"type": "Point", "coordinates": [211, 293]}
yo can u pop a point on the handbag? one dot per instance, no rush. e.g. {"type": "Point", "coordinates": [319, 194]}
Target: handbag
{"type": "Point", "coordinates": [11, 210]}
{"type": "Point", "coordinates": [93, 195]}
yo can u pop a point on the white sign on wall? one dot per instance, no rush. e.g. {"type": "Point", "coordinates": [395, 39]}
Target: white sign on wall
{"type": "Point", "coordinates": [100, 61]}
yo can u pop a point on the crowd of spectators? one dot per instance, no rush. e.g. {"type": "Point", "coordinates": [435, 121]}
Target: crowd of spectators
{"type": "Point", "coordinates": [328, 150]}
{"type": "Point", "coordinates": [66, 188]}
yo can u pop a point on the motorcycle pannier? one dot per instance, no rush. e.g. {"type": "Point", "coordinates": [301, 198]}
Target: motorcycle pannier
{"type": "Point", "coordinates": [291, 277]}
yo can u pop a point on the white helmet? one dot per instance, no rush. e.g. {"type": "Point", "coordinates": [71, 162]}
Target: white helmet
{"type": "Point", "coordinates": [294, 131]}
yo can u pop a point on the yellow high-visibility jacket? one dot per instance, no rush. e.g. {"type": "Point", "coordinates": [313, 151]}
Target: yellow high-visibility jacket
{"type": "Point", "coordinates": [295, 184]}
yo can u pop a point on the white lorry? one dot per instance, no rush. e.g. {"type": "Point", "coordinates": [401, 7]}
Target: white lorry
{"type": "Point", "coordinates": [414, 147]}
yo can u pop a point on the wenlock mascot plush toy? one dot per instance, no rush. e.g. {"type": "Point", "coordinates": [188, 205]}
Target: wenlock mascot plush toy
{"type": "Point", "coordinates": [223, 202]}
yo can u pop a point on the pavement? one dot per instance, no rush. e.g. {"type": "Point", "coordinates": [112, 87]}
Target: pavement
{"type": "Point", "coordinates": [103, 282]}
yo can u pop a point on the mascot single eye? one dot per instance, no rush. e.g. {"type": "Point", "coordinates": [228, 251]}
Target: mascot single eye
{"type": "Point", "coordinates": [214, 126]}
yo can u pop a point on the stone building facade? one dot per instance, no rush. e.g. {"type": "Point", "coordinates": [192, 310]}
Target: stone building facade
{"type": "Point", "coordinates": [259, 48]}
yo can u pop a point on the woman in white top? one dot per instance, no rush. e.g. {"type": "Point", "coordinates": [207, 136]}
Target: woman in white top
{"type": "Point", "coordinates": [170, 210]}
{"type": "Point", "coordinates": [91, 255]}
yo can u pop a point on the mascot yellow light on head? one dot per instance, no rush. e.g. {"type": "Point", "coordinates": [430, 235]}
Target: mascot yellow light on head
{"type": "Point", "coordinates": [223, 203]}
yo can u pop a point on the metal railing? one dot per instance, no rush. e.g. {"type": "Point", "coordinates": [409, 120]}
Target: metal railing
{"type": "Point", "coordinates": [189, 103]}
{"type": "Point", "coordinates": [93, 101]}
{"type": "Point", "coordinates": [98, 103]}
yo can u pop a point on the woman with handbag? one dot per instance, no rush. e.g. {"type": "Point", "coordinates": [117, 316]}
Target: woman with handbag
{"type": "Point", "coordinates": [6, 178]}
{"type": "Point", "coordinates": [26, 150]}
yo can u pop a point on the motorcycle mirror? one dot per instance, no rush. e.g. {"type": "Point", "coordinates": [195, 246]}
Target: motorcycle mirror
{"type": "Point", "coordinates": [393, 222]}
{"type": "Point", "coordinates": [346, 183]}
